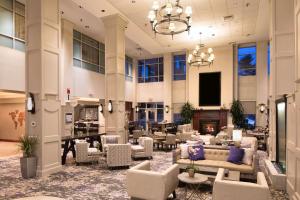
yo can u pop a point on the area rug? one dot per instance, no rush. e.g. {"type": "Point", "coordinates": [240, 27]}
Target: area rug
{"type": "Point", "coordinates": [85, 181]}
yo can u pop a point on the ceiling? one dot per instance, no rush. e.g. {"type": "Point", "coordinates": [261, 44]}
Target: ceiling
{"type": "Point", "coordinates": [250, 23]}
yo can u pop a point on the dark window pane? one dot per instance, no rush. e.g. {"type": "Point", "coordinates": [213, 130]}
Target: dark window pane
{"type": "Point", "coordinates": [160, 115]}
{"type": "Point", "coordinates": [161, 69]}
{"type": "Point", "coordinates": [141, 80]}
{"type": "Point", "coordinates": [141, 62]}
{"type": "Point", "coordinates": [161, 78]}
{"type": "Point", "coordinates": [20, 27]}
{"type": "Point", "coordinates": [90, 41]}
{"type": "Point", "coordinates": [76, 34]}
{"type": "Point", "coordinates": [179, 68]}
{"type": "Point", "coordinates": [102, 58]}
{"type": "Point", "coordinates": [90, 54]}
{"type": "Point", "coordinates": [91, 67]}
{"type": "Point", "coordinates": [19, 8]}
{"type": "Point", "coordinates": [141, 72]}
{"type": "Point", "coordinates": [247, 61]}
{"type": "Point", "coordinates": [76, 49]}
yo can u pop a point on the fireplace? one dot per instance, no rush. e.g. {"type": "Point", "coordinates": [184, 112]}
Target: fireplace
{"type": "Point", "coordinates": [209, 121]}
{"type": "Point", "coordinates": [209, 127]}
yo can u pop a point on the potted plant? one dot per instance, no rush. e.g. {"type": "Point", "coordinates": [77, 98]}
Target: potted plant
{"type": "Point", "coordinates": [191, 169]}
{"type": "Point", "coordinates": [237, 113]}
{"type": "Point", "coordinates": [187, 112]}
{"type": "Point", "coordinates": [28, 162]}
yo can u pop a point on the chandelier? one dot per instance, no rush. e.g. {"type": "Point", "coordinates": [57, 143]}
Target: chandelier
{"type": "Point", "coordinates": [201, 58]}
{"type": "Point", "coordinates": [169, 18]}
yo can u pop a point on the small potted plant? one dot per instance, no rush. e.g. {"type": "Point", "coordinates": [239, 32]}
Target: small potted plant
{"type": "Point", "coordinates": [191, 169]}
{"type": "Point", "coordinates": [28, 162]}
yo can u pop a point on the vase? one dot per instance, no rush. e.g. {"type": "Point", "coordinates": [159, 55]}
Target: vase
{"type": "Point", "coordinates": [191, 173]}
{"type": "Point", "coordinates": [28, 167]}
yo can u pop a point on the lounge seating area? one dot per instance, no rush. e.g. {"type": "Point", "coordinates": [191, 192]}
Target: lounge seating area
{"type": "Point", "coordinates": [149, 99]}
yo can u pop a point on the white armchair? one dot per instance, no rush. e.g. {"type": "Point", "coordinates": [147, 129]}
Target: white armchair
{"type": "Point", "coordinates": [235, 190]}
{"type": "Point", "coordinates": [144, 149]}
{"type": "Point", "coordinates": [109, 139]}
{"type": "Point", "coordinates": [84, 154]}
{"type": "Point", "coordinates": [118, 155]}
{"type": "Point", "coordinates": [145, 184]}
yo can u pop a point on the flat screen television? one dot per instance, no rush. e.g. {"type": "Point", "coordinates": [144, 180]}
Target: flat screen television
{"type": "Point", "coordinates": [210, 89]}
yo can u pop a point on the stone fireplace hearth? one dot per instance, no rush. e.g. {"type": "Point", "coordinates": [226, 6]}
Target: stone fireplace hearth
{"type": "Point", "coordinates": [209, 121]}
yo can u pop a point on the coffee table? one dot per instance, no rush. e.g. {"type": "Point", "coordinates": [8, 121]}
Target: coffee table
{"type": "Point", "coordinates": [194, 184]}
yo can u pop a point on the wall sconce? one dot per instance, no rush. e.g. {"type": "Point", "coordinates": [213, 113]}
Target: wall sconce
{"type": "Point", "coordinates": [137, 109]}
{"type": "Point", "coordinates": [167, 109]}
{"type": "Point", "coordinates": [110, 106]}
{"type": "Point", "coordinates": [31, 103]}
{"type": "Point", "coordinates": [101, 108]}
{"type": "Point", "coordinates": [262, 107]}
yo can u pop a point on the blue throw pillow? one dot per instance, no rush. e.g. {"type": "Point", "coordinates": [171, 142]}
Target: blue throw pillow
{"type": "Point", "coordinates": [196, 152]}
{"type": "Point", "coordinates": [236, 155]}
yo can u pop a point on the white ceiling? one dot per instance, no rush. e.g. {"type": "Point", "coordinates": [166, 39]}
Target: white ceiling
{"type": "Point", "coordinates": [250, 23]}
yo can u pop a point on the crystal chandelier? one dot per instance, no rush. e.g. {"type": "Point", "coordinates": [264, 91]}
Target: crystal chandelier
{"type": "Point", "coordinates": [169, 19]}
{"type": "Point", "coordinates": [201, 58]}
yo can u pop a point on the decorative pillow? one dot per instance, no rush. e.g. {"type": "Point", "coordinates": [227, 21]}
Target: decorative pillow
{"type": "Point", "coordinates": [196, 152]}
{"type": "Point", "coordinates": [246, 144]}
{"type": "Point", "coordinates": [236, 155]}
{"type": "Point", "coordinates": [111, 140]}
{"type": "Point", "coordinates": [248, 156]}
{"type": "Point", "coordinates": [184, 151]}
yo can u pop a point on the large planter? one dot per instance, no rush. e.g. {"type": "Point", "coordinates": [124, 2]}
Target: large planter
{"type": "Point", "coordinates": [28, 167]}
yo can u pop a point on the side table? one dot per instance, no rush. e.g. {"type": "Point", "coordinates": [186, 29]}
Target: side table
{"type": "Point", "coordinates": [193, 182]}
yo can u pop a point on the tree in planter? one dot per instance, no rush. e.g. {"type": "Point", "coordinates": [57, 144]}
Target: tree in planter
{"type": "Point", "coordinates": [28, 162]}
{"type": "Point", "coordinates": [237, 113]}
{"type": "Point", "coordinates": [187, 112]}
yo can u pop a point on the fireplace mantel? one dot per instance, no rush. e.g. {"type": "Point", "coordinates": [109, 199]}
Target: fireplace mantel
{"type": "Point", "coordinates": [201, 114]}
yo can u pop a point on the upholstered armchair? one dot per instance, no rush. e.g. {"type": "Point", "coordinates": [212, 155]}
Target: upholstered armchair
{"type": "Point", "coordinates": [118, 155]}
{"type": "Point", "coordinates": [170, 141]}
{"type": "Point", "coordinates": [236, 190]}
{"type": "Point", "coordinates": [144, 149]}
{"type": "Point", "coordinates": [142, 183]}
{"type": "Point", "coordinates": [110, 139]}
{"type": "Point", "coordinates": [136, 134]}
{"type": "Point", "coordinates": [249, 142]}
{"type": "Point", "coordinates": [84, 154]}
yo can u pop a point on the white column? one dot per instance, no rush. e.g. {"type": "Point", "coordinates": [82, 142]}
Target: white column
{"type": "Point", "coordinates": [135, 82]}
{"type": "Point", "coordinates": [115, 74]}
{"type": "Point", "coordinates": [261, 80]}
{"type": "Point", "coordinates": [168, 86]}
{"type": "Point", "coordinates": [42, 79]}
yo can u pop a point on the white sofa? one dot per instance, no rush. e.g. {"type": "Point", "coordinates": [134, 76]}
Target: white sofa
{"type": "Point", "coordinates": [142, 183]}
{"type": "Point", "coordinates": [235, 190]}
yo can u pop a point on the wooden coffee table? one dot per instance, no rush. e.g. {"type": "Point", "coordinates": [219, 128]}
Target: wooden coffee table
{"type": "Point", "coordinates": [194, 183]}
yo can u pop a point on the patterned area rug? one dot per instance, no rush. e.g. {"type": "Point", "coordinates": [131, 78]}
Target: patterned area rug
{"type": "Point", "coordinates": [85, 182]}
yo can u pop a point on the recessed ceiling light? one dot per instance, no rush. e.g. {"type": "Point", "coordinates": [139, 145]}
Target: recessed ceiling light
{"type": "Point", "coordinates": [62, 12]}
{"type": "Point", "coordinates": [248, 34]}
{"type": "Point", "coordinates": [228, 18]}
{"type": "Point", "coordinates": [103, 10]}
{"type": "Point", "coordinates": [213, 34]}
{"type": "Point", "coordinates": [86, 26]}
{"type": "Point", "coordinates": [81, 19]}
{"type": "Point", "coordinates": [133, 1]}
{"type": "Point", "coordinates": [80, 6]}
{"type": "Point", "coordinates": [247, 4]}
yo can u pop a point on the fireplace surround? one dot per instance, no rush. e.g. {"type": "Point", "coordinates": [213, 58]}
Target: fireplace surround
{"type": "Point", "coordinates": [209, 121]}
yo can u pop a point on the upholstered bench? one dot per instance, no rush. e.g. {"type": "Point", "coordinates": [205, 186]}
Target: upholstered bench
{"type": "Point", "coordinates": [214, 159]}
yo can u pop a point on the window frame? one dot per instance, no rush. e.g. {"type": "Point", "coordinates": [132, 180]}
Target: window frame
{"type": "Point", "coordinates": [84, 63]}
{"type": "Point", "coordinates": [151, 79]}
{"type": "Point", "coordinates": [13, 37]}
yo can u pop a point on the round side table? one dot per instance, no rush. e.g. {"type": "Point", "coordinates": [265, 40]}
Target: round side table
{"type": "Point", "coordinates": [193, 182]}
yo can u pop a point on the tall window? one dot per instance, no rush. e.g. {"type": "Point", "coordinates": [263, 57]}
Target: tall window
{"type": "Point", "coordinates": [128, 68]}
{"type": "Point", "coordinates": [179, 69]}
{"type": "Point", "coordinates": [88, 53]}
{"type": "Point", "coordinates": [12, 24]}
{"type": "Point", "coordinates": [151, 70]}
{"type": "Point", "coordinates": [247, 61]}
{"type": "Point", "coordinates": [154, 111]}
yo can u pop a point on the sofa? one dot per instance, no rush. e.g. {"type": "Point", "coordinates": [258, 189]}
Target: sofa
{"type": "Point", "coordinates": [214, 159]}
{"type": "Point", "coordinates": [235, 190]}
{"type": "Point", "coordinates": [142, 183]}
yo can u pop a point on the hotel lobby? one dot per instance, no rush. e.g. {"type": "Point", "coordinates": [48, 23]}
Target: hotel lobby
{"type": "Point", "coordinates": [149, 99]}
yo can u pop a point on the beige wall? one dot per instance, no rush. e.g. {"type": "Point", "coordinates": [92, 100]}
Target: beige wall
{"type": "Point", "coordinates": [224, 64]}
{"type": "Point", "coordinates": [150, 92]}
{"type": "Point", "coordinates": [12, 120]}
{"type": "Point", "coordinates": [12, 69]}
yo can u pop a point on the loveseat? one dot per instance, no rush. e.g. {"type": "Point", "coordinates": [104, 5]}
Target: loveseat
{"type": "Point", "coordinates": [214, 159]}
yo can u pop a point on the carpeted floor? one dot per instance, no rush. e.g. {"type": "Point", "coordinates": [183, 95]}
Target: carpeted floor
{"type": "Point", "coordinates": [84, 182]}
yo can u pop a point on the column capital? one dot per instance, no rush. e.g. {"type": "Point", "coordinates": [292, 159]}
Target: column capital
{"type": "Point", "coordinates": [115, 20]}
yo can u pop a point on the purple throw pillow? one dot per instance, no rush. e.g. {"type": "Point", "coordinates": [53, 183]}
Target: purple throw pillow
{"type": "Point", "coordinates": [196, 152]}
{"type": "Point", "coordinates": [236, 155]}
